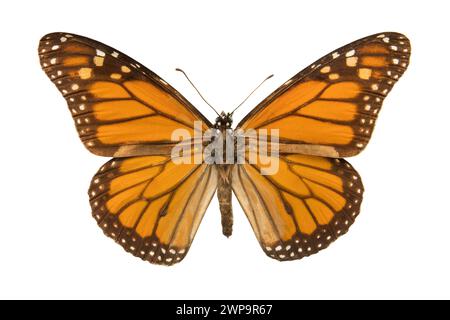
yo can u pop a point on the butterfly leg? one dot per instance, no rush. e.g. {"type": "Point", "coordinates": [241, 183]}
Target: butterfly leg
{"type": "Point", "coordinates": [224, 195]}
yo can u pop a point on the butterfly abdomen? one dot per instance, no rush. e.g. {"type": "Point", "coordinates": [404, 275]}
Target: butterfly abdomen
{"type": "Point", "coordinates": [224, 195]}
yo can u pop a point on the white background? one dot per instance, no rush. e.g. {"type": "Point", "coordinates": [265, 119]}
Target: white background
{"type": "Point", "coordinates": [50, 247]}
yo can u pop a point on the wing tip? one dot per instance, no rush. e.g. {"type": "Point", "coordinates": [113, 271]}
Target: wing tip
{"type": "Point", "coordinates": [56, 34]}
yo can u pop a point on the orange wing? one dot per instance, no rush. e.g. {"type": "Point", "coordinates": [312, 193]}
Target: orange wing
{"type": "Point", "coordinates": [330, 108]}
{"type": "Point", "coordinates": [120, 108]}
{"type": "Point", "coordinates": [301, 209]}
{"type": "Point", "coordinates": [151, 206]}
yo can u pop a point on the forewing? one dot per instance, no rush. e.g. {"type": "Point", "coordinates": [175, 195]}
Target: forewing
{"type": "Point", "coordinates": [330, 108]}
{"type": "Point", "coordinates": [120, 108]}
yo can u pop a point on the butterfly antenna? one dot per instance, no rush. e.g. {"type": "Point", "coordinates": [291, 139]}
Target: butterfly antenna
{"type": "Point", "coordinates": [252, 93]}
{"type": "Point", "coordinates": [178, 69]}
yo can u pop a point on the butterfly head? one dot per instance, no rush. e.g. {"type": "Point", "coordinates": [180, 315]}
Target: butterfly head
{"type": "Point", "coordinates": [224, 121]}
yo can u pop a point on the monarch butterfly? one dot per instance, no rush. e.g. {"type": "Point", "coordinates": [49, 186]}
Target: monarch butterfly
{"type": "Point", "coordinates": [153, 206]}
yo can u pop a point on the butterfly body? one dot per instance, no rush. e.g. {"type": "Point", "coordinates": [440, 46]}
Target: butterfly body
{"type": "Point", "coordinates": [150, 198]}
{"type": "Point", "coordinates": [224, 192]}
